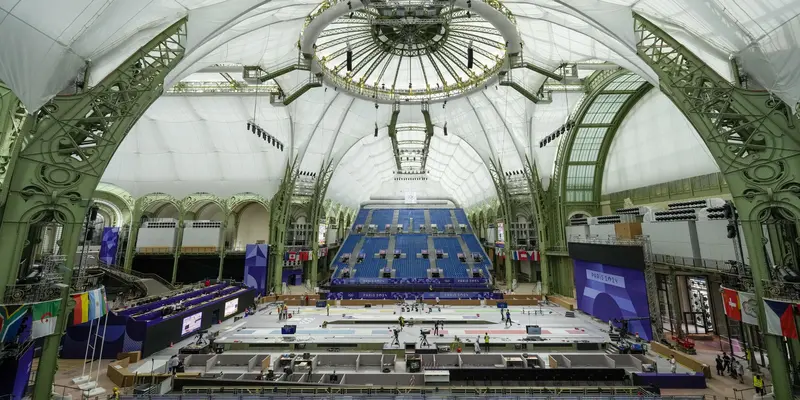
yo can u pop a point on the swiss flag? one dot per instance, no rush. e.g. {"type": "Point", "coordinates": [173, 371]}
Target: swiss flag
{"type": "Point", "coordinates": [730, 300]}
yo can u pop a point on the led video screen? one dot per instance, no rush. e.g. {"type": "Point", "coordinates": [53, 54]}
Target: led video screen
{"type": "Point", "coordinates": [191, 323]}
{"type": "Point", "coordinates": [610, 292]}
{"type": "Point", "coordinates": [231, 307]}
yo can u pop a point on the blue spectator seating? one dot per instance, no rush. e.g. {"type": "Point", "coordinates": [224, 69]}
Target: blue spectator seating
{"type": "Point", "coordinates": [411, 266]}
{"type": "Point", "coordinates": [440, 217]}
{"type": "Point", "coordinates": [381, 217]}
{"type": "Point", "coordinates": [451, 266]}
{"type": "Point", "coordinates": [372, 265]}
{"type": "Point", "coordinates": [361, 218]}
{"type": "Point", "coordinates": [347, 247]}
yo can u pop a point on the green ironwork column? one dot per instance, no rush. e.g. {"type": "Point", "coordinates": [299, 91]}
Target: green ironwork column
{"type": "Point", "coordinates": [176, 254]}
{"type": "Point", "coordinates": [755, 140]}
{"type": "Point", "coordinates": [12, 117]}
{"type": "Point", "coordinates": [133, 233]}
{"type": "Point", "coordinates": [542, 221]}
{"type": "Point", "coordinates": [317, 211]}
{"type": "Point", "coordinates": [70, 141]}
{"type": "Point", "coordinates": [499, 178]}
{"type": "Point", "coordinates": [279, 215]}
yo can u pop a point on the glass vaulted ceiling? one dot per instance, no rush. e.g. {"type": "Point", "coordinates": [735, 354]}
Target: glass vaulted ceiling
{"type": "Point", "coordinates": [188, 143]}
{"type": "Point", "coordinates": [410, 48]}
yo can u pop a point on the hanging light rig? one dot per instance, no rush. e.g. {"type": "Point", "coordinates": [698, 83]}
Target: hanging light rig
{"type": "Point", "coordinates": [444, 107]}
{"type": "Point", "coordinates": [470, 53]}
{"type": "Point", "coordinates": [376, 120]}
{"type": "Point", "coordinates": [349, 58]}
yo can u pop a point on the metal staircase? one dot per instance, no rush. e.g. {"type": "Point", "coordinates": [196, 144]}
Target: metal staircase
{"type": "Point", "coordinates": [368, 220]}
{"type": "Point", "coordinates": [354, 254]}
{"type": "Point", "coordinates": [455, 223]}
{"type": "Point", "coordinates": [390, 250]}
{"type": "Point", "coordinates": [465, 250]}
{"type": "Point", "coordinates": [431, 250]}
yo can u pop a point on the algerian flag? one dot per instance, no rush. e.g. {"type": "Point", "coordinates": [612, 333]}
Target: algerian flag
{"type": "Point", "coordinates": [44, 318]}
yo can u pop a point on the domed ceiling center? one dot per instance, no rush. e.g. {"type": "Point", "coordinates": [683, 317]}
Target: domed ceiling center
{"type": "Point", "coordinates": [423, 50]}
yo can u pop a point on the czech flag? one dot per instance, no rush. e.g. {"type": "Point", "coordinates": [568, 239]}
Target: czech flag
{"type": "Point", "coordinates": [780, 318]}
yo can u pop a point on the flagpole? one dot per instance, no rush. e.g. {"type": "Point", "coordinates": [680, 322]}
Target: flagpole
{"type": "Point", "coordinates": [85, 355]}
{"type": "Point", "coordinates": [102, 344]}
{"type": "Point", "coordinates": [94, 346]}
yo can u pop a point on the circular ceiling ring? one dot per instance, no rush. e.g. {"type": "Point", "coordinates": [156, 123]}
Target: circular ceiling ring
{"type": "Point", "coordinates": [494, 15]}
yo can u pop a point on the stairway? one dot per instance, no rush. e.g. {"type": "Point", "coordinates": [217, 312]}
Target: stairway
{"type": "Point", "coordinates": [467, 254]}
{"type": "Point", "coordinates": [390, 250]}
{"type": "Point", "coordinates": [431, 248]}
{"type": "Point", "coordinates": [455, 220]}
{"type": "Point", "coordinates": [427, 215]}
{"type": "Point", "coordinates": [611, 348]}
{"type": "Point", "coordinates": [368, 221]}
{"type": "Point", "coordinates": [154, 287]}
{"type": "Point", "coordinates": [395, 218]}
{"type": "Point", "coordinates": [356, 250]}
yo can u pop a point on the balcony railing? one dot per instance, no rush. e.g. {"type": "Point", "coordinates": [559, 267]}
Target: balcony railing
{"type": "Point", "coordinates": [49, 290]}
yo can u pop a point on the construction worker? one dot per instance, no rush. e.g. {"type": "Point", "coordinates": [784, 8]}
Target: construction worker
{"type": "Point", "coordinates": [328, 308]}
{"type": "Point", "coordinates": [486, 340]}
{"type": "Point", "coordinates": [402, 322]}
{"type": "Point", "coordinates": [115, 393]}
{"type": "Point", "coordinates": [758, 384]}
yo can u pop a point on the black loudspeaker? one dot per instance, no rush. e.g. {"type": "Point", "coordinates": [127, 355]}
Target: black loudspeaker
{"type": "Point", "coordinates": [367, 305]}
{"type": "Point", "coordinates": [349, 60]}
{"type": "Point", "coordinates": [93, 213]}
{"type": "Point", "coordinates": [469, 57]}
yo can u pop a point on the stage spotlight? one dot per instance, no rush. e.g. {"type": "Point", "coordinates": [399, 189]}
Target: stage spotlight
{"type": "Point", "coordinates": [248, 125]}
{"type": "Point", "coordinates": [469, 56]}
{"type": "Point", "coordinates": [376, 130]}
{"type": "Point", "coordinates": [349, 60]}
{"type": "Point", "coordinates": [253, 128]}
{"type": "Point", "coordinates": [445, 128]}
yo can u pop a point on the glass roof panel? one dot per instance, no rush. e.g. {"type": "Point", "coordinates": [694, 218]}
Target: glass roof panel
{"type": "Point", "coordinates": [587, 144]}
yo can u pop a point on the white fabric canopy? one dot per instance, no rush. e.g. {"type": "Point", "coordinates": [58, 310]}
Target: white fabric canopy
{"type": "Point", "coordinates": [185, 144]}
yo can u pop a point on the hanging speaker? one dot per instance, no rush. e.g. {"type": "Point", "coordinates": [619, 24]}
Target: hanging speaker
{"type": "Point", "coordinates": [93, 213]}
{"type": "Point", "coordinates": [349, 60]}
{"type": "Point", "coordinates": [469, 57]}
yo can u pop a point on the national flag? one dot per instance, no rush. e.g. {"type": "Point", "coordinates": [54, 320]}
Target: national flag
{"type": "Point", "coordinates": [780, 318]}
{"type": "Point", "coordinates": [292, 256]}
{"type": "Point", "coordinates": [97, 303]}
{"type": "Point", "coordinates": [523, 255]}
{"type": "Point", "coordinates": [44, 318]}
{"type": "Point", "coordinates": [534, 255]}
{"type": "Point", "coordinates": [80, 313]}
{"type": "Point", "coordinates": [305, 255]}
{"type": "Point", "coordinates": [515, 255]}
{"type": "Point", "coordinates": [11, 317]}
{"type": "Point", "coordinates": [749, 308]}
{"type": "Point", "coordinates": [730, 301]}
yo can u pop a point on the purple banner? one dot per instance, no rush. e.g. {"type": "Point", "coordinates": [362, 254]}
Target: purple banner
{"type": "Point", "coordinates": [610, 292]}
{"type": "Point", "coordinates": [449, 282]}
{"type": "Point", "coordinates": [109, 245]}
{"type": "Point", "coordinates": [413, 295]}
{"type": "Point", "coordinates": [255, 267]}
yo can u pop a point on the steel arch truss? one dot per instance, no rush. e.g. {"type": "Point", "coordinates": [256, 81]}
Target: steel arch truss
{"type": "Point", "coordinates": [754, 139]}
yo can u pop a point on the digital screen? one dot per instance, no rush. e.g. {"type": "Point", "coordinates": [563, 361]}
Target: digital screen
{"type": "Point", "coordinates": [191, 323]}
{"type": "Point", "coordinates": [323, 230]}
{"type": "Point", "coordinates": [231, 307]}
{"type": "Point", "coordinates": [501, 234]}
{"type": "Point", "coordinates": [610, 292]}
